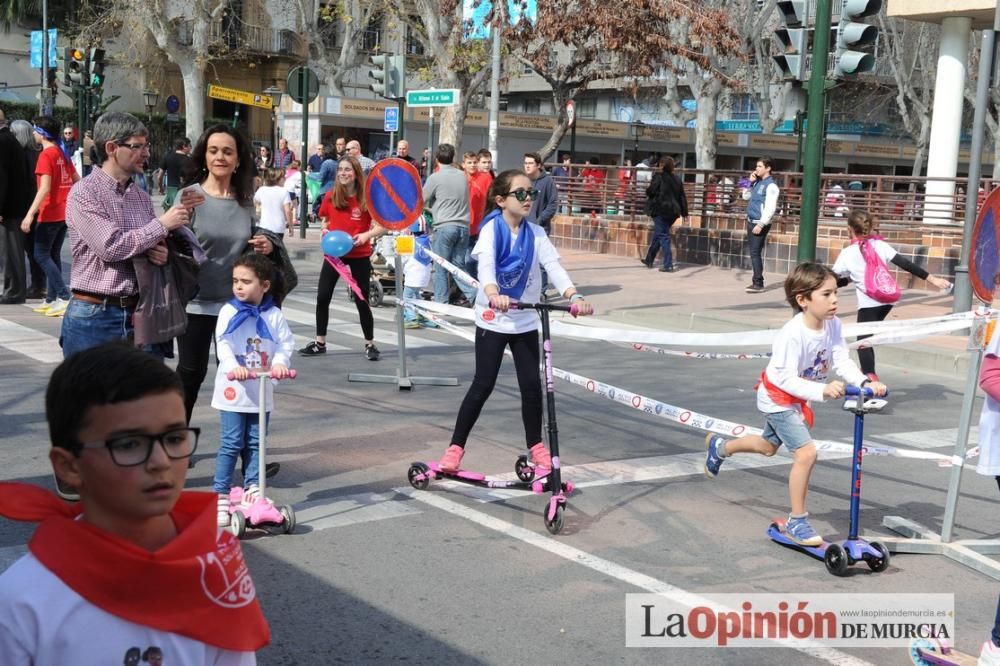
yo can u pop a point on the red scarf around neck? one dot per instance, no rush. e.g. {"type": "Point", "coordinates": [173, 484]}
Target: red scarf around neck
{"type": "Point", "coordinates": [782, 397]}
{"type": "Point", "coordinates": [197, 586]}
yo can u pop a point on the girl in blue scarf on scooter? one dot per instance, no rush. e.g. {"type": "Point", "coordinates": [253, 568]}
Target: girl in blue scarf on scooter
{"type": "Point", "coordinates": [511, 251]}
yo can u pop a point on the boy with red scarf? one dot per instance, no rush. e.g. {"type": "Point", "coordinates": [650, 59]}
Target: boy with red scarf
{"type": "Point", "coordinates": [803, 353]}
{"type": "Point", "coordinates": [137, 562]}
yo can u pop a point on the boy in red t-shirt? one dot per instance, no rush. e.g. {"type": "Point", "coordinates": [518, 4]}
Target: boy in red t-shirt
{"type": "Point", "coordinates": [55, 176]}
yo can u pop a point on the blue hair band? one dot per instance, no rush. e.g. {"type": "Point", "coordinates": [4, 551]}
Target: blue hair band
{"type": "Point", "coordinates": [43, 132]}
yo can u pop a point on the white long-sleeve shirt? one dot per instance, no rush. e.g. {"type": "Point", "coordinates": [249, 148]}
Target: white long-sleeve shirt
{"type": "Point", "coordinates": [801, 359]}
{"type": "Point", "coordinates": [546, 255]}
{"type": "Point", "coordinates": [243, 347]}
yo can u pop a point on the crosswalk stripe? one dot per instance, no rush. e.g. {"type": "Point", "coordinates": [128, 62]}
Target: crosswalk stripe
{"type": "Point", "coordinates": [34, 344]}
{"type": "Point", "coordinates": [386, 336]}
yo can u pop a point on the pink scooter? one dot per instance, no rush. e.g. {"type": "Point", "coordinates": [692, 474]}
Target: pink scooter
{"type": "Point", "coordinates": [262, 512]}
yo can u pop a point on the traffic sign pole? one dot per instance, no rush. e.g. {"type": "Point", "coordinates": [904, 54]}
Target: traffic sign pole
{"type": "Point", "coordinates": [815, 129]}
{"type": "Point", "coordinates": [304, 210]}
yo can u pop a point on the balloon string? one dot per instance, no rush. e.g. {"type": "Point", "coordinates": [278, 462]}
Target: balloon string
{"type": "Point", "coordinates": [345, 273]}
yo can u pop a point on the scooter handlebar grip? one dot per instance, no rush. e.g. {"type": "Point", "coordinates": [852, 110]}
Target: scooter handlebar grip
{"type": "Point", "coordinates": [865, 391]}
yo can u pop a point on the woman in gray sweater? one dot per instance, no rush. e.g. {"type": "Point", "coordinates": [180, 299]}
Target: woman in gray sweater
{"type": "Point", "coordinates": [226, 226]}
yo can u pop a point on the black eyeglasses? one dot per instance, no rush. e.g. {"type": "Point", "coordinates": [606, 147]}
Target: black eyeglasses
{"type": "Point", "coordinates": [523, 195]}
{"type": "Point", "coordinates": [135, 146]}
{"type": "Point", "coordinates": [132, 450]}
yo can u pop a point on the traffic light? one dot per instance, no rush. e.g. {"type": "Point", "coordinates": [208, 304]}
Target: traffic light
{"type": "Point", "coordinates": [75, 67]}
{"type": "Point", "coordinates": [851, 35]}
{"type": "Point", "coordinates": [387, 74]}
{"type": "Point", "coordinates": [95, 70]}
{"type": "Point", "coordinates": [794, 38]}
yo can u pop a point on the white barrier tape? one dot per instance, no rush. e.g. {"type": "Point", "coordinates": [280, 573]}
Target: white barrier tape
{"type": "Point", "coordinates": [760, 338]}
{"type": "Point", "coordinates": [909, 335]}
{"type": "Point", "coordinates": [694, 419]}
{"type": "Point", "coordinates": [457, 272]}
{"type": "Point", "coordinates": [689, 354]}
{"type": "Point", "coordinates": [443, 308]}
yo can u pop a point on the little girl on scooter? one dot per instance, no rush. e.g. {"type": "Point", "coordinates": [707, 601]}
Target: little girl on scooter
{"type": "Point", "coordinates": [250, 336]}
{"type": "Point", "coordinates": [803, 353]}
{"type": "Point", "coordinates": [511, 251]}
{"type": "Point", "coordinates": [850, 267]}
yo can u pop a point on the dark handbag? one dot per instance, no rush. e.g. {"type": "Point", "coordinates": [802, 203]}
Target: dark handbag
{"type": "Point", "coordinates": [164, 291]}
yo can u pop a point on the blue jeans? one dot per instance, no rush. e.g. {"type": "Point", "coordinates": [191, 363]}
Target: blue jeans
{"type": "Point", "coordinates": [237, 431]}
{"type": "Point", "coordinates": [87, 325]}
{"type": "Point", "coordinates": [661, 239]}
{"type": "Point", "coordinates": [49, 238]}
{"type": "Point", "coordinates": [412, 294]}
{"type": "Point", "coordinates": [450, 242]}
{"type": "Point", "coordinates": [756, 245]}
{"type": "Point", "coordinates": [996, 626]}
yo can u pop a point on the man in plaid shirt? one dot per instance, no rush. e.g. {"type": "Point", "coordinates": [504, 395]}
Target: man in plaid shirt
{"type": "Point", "coordinates": [110, 221]}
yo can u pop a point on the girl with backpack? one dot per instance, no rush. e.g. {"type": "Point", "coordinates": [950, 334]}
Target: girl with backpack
{"type": "Point", "coordinates": [864, 262]}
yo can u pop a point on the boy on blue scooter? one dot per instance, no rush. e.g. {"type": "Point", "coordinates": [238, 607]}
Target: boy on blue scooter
{"type": "Point", "coordinates": [801, 357]}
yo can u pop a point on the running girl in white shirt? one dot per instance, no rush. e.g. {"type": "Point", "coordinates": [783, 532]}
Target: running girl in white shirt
{"type": "Point", "coordinates": [851, 265]}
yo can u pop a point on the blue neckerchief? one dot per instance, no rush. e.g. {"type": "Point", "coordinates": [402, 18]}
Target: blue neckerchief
{"type": "Point", "coordinates": [513, 264]}
{"type": "Point", "coordinates": [422, 244]}
{"type": "Point", "coordinates": [246, 310]}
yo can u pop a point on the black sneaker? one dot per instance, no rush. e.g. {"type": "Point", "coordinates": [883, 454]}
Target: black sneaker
{"type": "Point", "coordinates": [271, 469]}
{"type": "Point", "coordinates": [754, 289]}
{"type": "Point", "coordinates": [372, 353]}
{"type": "Point", "coordinates": [313, 349]}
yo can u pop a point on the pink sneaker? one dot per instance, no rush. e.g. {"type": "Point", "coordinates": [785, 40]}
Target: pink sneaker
{"type": "Point", "coordinates": [540, 456]}
{"type": "Point", "coordinates": [452, 458]}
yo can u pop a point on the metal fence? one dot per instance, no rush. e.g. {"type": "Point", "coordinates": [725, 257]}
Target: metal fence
{"type": "Point", "coordinates": [895, 200]}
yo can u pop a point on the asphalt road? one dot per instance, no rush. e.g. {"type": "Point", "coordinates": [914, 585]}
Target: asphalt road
{"type": "Point", "coordinates": [378, 572]}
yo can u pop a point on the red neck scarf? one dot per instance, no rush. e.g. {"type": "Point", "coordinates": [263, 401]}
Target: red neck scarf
{"type": "Point", "coordinates": [199, 581]}
{"type": "Point", "coordinates": [786, 399]}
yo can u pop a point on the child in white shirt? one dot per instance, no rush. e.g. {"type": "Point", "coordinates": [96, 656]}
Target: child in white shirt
{"type": "Point", "coordinates": [801, 358]}
{"type": "Point", "coordinates": [251, 336]}
{"type": "Point", "coordinates": [274, 202]}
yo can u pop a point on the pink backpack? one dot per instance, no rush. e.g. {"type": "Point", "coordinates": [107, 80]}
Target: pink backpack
{"type": "Point", "coordinates": [879, 282]}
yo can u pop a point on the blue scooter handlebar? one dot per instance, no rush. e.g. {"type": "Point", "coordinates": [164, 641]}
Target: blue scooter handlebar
{"type": "Point", "coordinates": [864, 391]}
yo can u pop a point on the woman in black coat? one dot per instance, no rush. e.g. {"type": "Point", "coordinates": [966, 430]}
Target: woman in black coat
{"type": "Point", "coordinates": [666, 203]}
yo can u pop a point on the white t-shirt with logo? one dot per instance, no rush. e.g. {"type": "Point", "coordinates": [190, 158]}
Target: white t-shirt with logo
{"type": "Point", "coordinates": [244, 347]}
{"type": "Point", "coordinates": [546, 255]}
{"type": "Point", "coordinates": [989, 423]}
{"type": "Point", "coordinates": [851, 264]}
{"type": "Point", "coordinates": [801, 360]}
{"type": "Point", "coordinates": [272, 200]}
{"type": "Point", "coordinates": [45, 622]}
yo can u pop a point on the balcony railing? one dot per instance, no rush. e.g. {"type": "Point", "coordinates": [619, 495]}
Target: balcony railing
{"type": "Point", "coordinates": [235, 35]}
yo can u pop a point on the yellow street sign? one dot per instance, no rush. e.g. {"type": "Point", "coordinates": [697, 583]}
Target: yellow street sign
{"type": "Point", "coordinates": [240, 96]}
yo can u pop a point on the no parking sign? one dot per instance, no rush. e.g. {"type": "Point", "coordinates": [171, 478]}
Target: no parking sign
{"type": "Point", "coordinates": [394, 195]}
{"type": "Point", "coordinates": [984, 252]}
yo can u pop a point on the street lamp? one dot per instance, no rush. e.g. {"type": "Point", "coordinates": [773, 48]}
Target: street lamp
{"type": "Point", "coordinates": [275, 93]}
{"type": "Point", "coordinates": [150, 99]}
{"type": "Point", "coordinates": [636, 129]}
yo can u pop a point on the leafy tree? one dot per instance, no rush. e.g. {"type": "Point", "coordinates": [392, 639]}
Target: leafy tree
{"type": "Point", "coordinates": [629, 44]}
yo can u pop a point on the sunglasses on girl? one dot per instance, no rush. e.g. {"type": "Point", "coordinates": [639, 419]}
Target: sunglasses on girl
{"type": "Point", "coordinates": [523, 195]}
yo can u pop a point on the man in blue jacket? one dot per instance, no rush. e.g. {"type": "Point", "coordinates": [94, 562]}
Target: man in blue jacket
{"type": "Point", "coordinates": [763, 196]}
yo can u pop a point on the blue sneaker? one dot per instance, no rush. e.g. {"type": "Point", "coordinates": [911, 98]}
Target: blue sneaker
{"type": "Point", "coordinates": [713, 462]}
{"type": "Point", "coordinates": [801, 532]}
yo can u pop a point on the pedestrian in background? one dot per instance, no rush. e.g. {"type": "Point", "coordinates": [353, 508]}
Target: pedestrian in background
{"type": "Point", "coordinates": [763, 195]}
{"type": "Point", "coordinates": [667, 204]}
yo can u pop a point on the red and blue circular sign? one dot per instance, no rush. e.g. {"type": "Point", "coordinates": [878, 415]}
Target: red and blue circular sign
{"type": "Point", "coordinates": [394, 195]}
{"type": "Point", "coordinates": [984, 251]}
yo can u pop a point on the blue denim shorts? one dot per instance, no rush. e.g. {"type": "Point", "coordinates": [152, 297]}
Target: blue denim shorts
{"type": "Point", "coordinates": [786, 428]}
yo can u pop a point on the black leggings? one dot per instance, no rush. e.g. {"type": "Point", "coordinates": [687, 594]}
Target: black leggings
{"type": "Point", "coordinates": [489, 355]}
{"type": "Point", "coordinates": [866, 356]}
{"type": "Point", "coordinates": [361, 270]}
{"type": "Point", "coordinates": [192, 356]}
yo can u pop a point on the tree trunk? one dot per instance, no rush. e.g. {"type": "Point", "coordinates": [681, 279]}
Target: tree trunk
{"type": "Point", "coordinates": [996, 158]}
{"type": "Point", "coordinates": [193, 74]}
{"type": "Point", "coordinates": [922, 141]}
{"type": "Point", "coordinates": [705, 137]}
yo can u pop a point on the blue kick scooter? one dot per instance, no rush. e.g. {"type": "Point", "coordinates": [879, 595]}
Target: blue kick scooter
{"type": "Point", "coordinates": [839, 556]}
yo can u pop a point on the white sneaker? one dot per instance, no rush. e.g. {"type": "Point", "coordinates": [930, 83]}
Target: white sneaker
{"type": "Point", "coordinates": [990, 655]}
{"type": "Point", "coordinates": [251, 494]}
{"type": "Point", "coordinates": [58, 308]}
{"type": "Point", "coordinates": [222, 517]}
{"type": "Point", "coordinates": [44, 307]}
